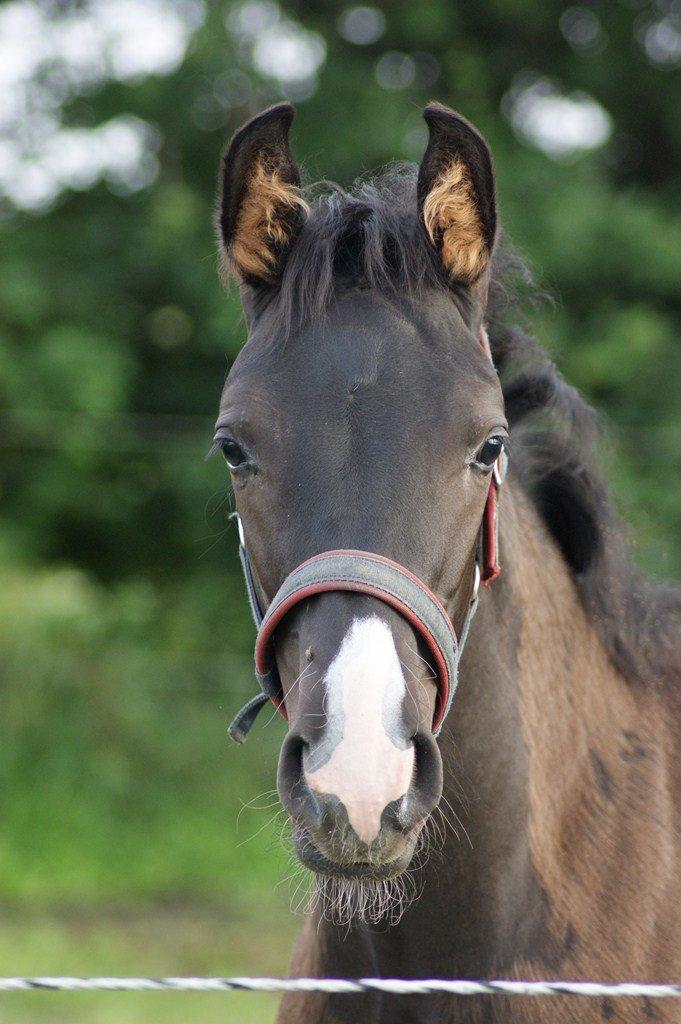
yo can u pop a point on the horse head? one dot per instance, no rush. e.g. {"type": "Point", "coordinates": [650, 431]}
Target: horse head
{"type": "Point", "coordinates": [361, 415]}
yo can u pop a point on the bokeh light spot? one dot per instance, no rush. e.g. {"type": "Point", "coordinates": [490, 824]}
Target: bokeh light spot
{"type": "Point", "coordinates": [362, 25]}
{"type": "Point", "coordinates": [563, 126]}
{"type": "Point", "coordinates": [395, 71]}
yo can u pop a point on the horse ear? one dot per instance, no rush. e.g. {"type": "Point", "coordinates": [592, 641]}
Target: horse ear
{"type": "Point", "coordinates": [456, 194]}
{"type": "Point", "coordinates": [261, 206]}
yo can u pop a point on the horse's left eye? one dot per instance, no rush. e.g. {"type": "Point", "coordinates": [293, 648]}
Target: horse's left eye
{"type": "Point", "coordinates": [234, 455]}
{"type": "Point", "coordinates": [490, 451]}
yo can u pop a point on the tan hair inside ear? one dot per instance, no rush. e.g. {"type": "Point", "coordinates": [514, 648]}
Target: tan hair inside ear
{"type": "Point", "coordinates": [453, 223]}
{"type": "Point", "coordinates": [264, 223]}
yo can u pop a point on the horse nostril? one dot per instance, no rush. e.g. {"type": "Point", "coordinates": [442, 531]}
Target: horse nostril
{"type": "Point", "coordinates": [426, 788]}
{"type": "Point", "coordinates": [294, 792]}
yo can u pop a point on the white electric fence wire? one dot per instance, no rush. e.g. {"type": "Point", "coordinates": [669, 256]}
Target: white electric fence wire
{"type": "Point", "coordinates": [394, 986]}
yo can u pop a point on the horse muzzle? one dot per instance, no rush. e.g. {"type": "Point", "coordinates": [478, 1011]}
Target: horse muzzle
{"type": "Point", "coordinates": [359, 815]}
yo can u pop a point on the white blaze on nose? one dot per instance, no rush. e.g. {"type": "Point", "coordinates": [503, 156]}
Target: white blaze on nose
{"type": "Point", "coordinates": [365, 688]}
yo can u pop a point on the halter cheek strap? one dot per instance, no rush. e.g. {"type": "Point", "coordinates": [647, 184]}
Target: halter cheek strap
{"type": "Point", "coordinates": [364, 572]}
{"type": "Point", "coordinates": [488, 538]}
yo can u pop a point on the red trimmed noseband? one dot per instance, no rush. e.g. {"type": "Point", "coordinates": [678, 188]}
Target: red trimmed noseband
{"type": "Point", "coordinates": [363, 572]}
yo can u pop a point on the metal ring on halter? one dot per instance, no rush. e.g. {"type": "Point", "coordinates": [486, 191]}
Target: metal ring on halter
{"type": "Point", "coordinates": [239, 527]}
{"type": "Point", "coordinates": [500, 468]}
{"type": "Point", "coordinates": [476, 583]}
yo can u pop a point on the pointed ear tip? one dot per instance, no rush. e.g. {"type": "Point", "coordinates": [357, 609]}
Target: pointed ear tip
{"type": "Point", "coordinates": [279, 116]}
{"type": "Point", "coordinates": [435, 107]}
{"type": "Point", "coordinates": [280, 113]}
{"type": "Point", "coordinates": [447, 124]}
{"type": "Point", "coordinates": [284, 111]}
{"type": "Point", "coordinates": [436, 113]}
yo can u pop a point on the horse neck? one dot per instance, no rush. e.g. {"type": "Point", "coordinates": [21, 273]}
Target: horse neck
{"type": "Point", "coordinates": [534, 735]}
{"type": "Point", "coordinates": [528, 742]}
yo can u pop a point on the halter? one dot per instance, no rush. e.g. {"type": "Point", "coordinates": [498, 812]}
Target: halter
{"type": "Point", "coordinates": [363, 572]}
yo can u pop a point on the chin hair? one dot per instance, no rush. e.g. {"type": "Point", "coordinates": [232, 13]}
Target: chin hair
{"type": "Point", "coordinates": [346, 901]}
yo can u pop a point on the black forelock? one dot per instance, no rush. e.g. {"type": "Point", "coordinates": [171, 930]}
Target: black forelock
{"type": "Point", "coordinates": [369, 236]}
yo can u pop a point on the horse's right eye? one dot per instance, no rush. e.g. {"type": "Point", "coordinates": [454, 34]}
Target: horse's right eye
{"type": "Point", "coordinates": [234, 455]}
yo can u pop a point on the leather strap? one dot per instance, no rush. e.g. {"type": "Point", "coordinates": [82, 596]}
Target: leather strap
{"type": "Point", "coordinates": [488, 550]}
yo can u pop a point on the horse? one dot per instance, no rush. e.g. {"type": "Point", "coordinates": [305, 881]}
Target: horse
{"type": "Point", "coordinates": [532, 831]}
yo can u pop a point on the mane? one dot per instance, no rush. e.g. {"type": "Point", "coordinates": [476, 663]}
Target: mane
{"type": "Point", "coordinates": [371, 235]}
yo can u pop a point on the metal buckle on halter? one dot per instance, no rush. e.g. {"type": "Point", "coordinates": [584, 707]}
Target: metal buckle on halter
{"type": "Point", "coordinates": [472, 608]}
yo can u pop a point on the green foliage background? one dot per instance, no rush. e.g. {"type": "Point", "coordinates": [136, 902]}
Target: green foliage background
{"type": "Point", "coordinates": [124, 632]}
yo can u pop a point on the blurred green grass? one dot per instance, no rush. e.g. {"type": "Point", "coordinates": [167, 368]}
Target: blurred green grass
{"type": "Point", "coordinates": [176, 940]}
{"type": "Point", "coordinates": [120, 778]}
{"type": "Point", "coordinates": [136, 838]}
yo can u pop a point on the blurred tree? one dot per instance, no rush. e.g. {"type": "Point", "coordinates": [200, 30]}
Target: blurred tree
{"type": "Point", "coordinates": [115, 333]}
